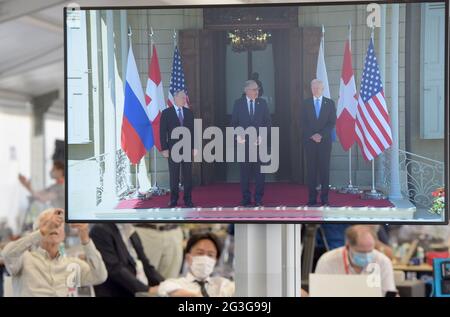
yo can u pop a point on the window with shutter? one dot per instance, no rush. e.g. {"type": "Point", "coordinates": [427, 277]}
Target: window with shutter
{"type": "Point", "coordinates": [432, 71]}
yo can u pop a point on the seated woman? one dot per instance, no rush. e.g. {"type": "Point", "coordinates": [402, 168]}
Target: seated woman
{"type": "Point", "coordinates": [202, 252]}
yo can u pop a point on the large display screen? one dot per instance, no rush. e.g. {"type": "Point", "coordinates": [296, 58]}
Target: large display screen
{"type": "Point", "coordinates": [257, 113]}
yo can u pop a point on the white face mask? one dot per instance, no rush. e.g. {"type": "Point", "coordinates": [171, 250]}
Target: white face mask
{"type": "Point", "coordinates": [202, 266]}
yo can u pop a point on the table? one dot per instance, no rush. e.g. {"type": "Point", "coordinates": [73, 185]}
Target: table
{"type": "Point", "coordinates": [423, 268]}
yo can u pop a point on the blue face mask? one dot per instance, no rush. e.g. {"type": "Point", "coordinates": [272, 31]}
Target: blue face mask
{"type": "Point", "coordinates": [362, 259]}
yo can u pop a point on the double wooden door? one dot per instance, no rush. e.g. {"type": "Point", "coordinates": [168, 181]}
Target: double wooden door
{"type": "Point", "coordinates": [295, 57]}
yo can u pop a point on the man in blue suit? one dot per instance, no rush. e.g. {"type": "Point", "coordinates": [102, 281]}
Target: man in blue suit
{"type": "Point", "coordinates": [251, 111]}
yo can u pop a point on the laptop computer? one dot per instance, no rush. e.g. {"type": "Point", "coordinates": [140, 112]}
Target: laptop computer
{"type": "Point", "coordinates": [342, 285]}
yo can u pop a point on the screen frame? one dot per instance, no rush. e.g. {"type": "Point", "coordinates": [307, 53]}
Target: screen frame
{"type": "Point", "coordinates": [306, 3]}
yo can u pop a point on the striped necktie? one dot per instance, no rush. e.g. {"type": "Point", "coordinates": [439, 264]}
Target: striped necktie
{"type": "Point", "coordinates": [180, 116]}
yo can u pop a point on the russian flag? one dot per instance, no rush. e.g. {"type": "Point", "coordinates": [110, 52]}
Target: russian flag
{"type": "Point", "coordinates": [137, 132]}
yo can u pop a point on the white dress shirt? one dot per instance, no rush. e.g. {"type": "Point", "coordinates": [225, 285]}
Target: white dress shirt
{"type": "Point", "coordinates": [320, 99]}
{"type": "Point", "coordinates": [126, 231]}
{"type": "Point", "coordinates": [320, 103]}
{"type": "Point", "coordinates": [216, 286]}
{"type": "Point", "coordinates": [248, 105]}
{"type": "Point", "coordinates": [333, 262]}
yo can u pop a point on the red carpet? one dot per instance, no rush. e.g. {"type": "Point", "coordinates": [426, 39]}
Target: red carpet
{"type": "Point", "coordinates": [276, 194]}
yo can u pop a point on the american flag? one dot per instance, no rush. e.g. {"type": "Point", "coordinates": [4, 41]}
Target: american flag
{"type": "Point", "coordinates": [373, 125]}
{"type": "Point", "coordinates": [177, 78]}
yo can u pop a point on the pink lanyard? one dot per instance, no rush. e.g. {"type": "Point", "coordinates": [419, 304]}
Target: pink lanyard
{"type": "Point", "coordinates": [346, 264]}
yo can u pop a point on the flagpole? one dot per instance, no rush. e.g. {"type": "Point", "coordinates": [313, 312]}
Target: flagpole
{"type": "Point", "coordinates": [350, 168]}
{"type": "Point", "coordinates": [136, 194]}
{"type": "Point", "coordinates": [180, 184]}
{"type": "Point", "coordinates": [350, 186]}
{"type": "Point", "coordinates": [350, 149]}
{"type": "Point", "coordinates": [130, 34]}
{"type": "Point", "coordinates": [137, 178]}
{"type": "Point", "coordinates": [350, 189]}
{"type": "Point", "coordinates": [155, 186]}
{"type": "Point", "coordinates": [174, 38]}
{"type": "Point", "coordinates": [155, 190]}
{"type": "Point", "coordinates": [373, 193]}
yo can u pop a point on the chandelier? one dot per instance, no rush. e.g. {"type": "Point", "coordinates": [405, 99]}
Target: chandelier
{"type": "Point", "coordinates": [248, 40]}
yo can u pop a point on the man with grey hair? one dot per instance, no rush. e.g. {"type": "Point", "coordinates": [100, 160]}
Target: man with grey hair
{"type": "Point", "coordinates": [177, 116]}
{"type": "Point", "coordinates": [358, 256]}
{"type": "Point", "coordinates": [251, 111]}
{"type": "Point", "coordinates": [39, 267]}
{"type": "Point", "coordinates": [317, 120]}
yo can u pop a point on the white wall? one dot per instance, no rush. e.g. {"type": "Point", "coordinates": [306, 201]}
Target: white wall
{"type": "Point", "coordinates": [15, 158]}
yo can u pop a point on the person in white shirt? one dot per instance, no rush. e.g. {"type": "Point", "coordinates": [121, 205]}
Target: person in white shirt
{"type": "Point", "coordinates": [357, 256]}
{"type": "Point", "coordinates": [202, 252]}
{"type": "Point", "coordinates": [39, 267]}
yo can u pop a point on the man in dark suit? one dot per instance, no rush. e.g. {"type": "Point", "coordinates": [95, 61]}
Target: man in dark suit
{"type": "Point", "coordinates": [318, 118]}
{"type": "Point", "coordinates": [251, 111]}
{"type": "Point", "coordinates": [115, 242]}
{"type": "Point", "coordinates": [171, 118]}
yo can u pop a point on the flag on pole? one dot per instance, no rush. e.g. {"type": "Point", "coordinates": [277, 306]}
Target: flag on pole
{"type": "Point", "coordinates": [321, 70]}
{"type": "Point", "coordinates": [372, 128]}
{"type": "Point", "coordinates": [137, 133]}
{"type": "Point", "coordinates": [154, 96]}
{"type": "Point", "coordinates": [321, 74]}
{"type": "Point", "coordinates": [177, 78]}
{"type": "Point", "coordinates": [347, 103]}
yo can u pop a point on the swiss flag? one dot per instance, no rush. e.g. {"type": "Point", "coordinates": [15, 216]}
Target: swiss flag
{"type": "Point", "coordinates": [347, 103]}
{"type": "Point", "coordinates": [154, 96]}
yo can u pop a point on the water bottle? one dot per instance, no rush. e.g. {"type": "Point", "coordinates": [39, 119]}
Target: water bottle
{"type": "Point", "coordinates": [421, 255]}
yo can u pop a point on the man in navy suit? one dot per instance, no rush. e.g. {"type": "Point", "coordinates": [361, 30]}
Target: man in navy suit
{"type": "Point", "coordinates": [171, 118]}
{"type": "Point", "coordinates": [251, 111]}
{"type": "Point", "coordinates": [317, 120]}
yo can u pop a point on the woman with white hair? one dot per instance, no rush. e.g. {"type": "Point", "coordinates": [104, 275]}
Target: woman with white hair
{"type": "Point", "coordinates": [37, 266]}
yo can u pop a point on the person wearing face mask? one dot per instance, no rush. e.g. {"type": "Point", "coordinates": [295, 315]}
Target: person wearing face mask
{"type": "Point", "coordinates": [202, 252]}
{"type": "Point", "coordinates": [54, 195]}
{"type": "Point", "coordinates": [358, 256]}
{"type": "Point", "coordinates": [39, 266]}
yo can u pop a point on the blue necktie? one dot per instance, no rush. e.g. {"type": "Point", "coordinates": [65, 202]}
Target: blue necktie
{"type": "Point", "coordinates": [180, 116]}
{"type": "Point", "coordinates": [317, 106]}
{"type": "Point", "coordinates": [251, 109]}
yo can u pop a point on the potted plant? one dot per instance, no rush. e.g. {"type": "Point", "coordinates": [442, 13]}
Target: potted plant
{"type": "Point", "coordinates": [438, 201]}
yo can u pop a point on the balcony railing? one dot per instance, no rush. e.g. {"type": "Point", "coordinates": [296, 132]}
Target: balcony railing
{"type": "Point", "coordinates": [122, 173]}
{"type": "Point", "coordinates": [419, 177]}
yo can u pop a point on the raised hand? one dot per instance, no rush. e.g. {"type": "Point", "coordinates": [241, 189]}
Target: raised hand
{"type": "Point", "coordinates": [83, 231]}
